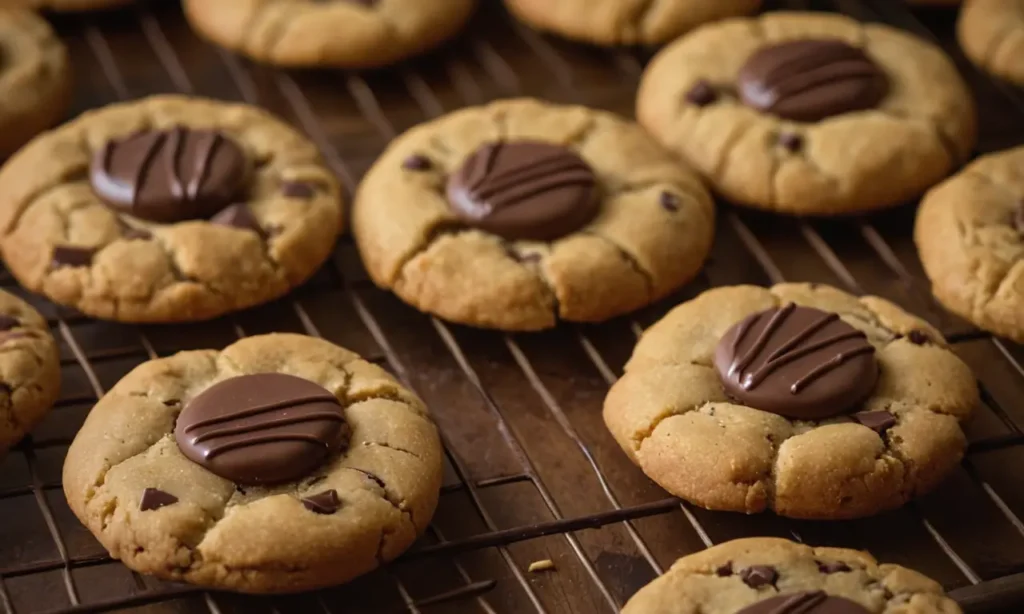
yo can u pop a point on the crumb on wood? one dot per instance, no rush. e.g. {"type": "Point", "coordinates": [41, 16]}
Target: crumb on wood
{"type": "Point", "coordinates": [545, 565]}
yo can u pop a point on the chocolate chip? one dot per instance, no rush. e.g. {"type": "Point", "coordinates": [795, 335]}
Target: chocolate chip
{"type": "Point", "coordinates": [417, 162]}
{"type": "Point", "coordinates": [1018, 217]}
{"type": "Point", "coordinates": [154, 499]}
{"type": "Point", "coordinates": [71, 256]}
{"type": "Point", "coordinates": [237, 216]}
{"type": "Point", "coordinates": [702, 94]}
{"type": "Point", "coordinates": [759, 575]}
{"type": "Point", "coordinates": [326, 502]}
{"type": "Point", "coordinates": [8, 322]}
{"type": "Point", "coordinates": [918, 337]}
{"type": "Point", "coordinates": [298, 189]}
{"type": "Point", "coordinates": [131, 233]}
{"type": "Point", "coordinates": [832, 567]}
{"type": "Point", "coordinates": [791, 141]}
{"type": "Point", "coordinates": [669, 201]}
{"type": "Point", "coordinates": [724, 570]}
{"type": "Point", "coordinates": [877, 421]}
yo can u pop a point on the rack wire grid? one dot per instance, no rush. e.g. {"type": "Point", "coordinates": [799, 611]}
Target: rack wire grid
{"type": "Point", "coordinates": [531, 473]}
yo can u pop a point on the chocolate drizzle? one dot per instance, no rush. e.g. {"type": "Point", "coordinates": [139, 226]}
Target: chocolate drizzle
{"type": "Point", "coordinates": [824, 364]}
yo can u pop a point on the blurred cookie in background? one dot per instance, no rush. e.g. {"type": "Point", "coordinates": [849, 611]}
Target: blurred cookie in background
{"type": "Point", "coordinates": [991, 33]}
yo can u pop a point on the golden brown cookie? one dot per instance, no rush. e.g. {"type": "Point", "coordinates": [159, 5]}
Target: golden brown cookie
{"type": "Point", "coordinates": [970, 235]}
{"type": "Point", "coordinates": [991, 33]}
{"type": "Point", "coordinates": [797, 398]}
{"type": "Point", "coordinates": [29, 369]}
{"type": "Point", "coordinates": [808, 113]}
{"type": "Point", "coordinates": [34, 77]}
{"type": "Point", "coordinates": [167, 209]}
{"type": "Point", "coordinates": [520, 213]}
{"type": "Point", "coordinates": [329, 33]}
{"type": "Point", "coordinates": [764, 575]}
{"type": "Point", "coordinates": [280, 464]}
{"type": "Point", "coordinates": [625, 22]}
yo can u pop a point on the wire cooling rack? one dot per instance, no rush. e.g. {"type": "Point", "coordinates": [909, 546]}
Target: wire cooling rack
{"type": "Point", "coordinates": [531, 472]}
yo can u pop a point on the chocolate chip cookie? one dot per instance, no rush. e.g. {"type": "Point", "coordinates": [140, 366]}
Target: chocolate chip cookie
{"type": "Point", "coordinates": [167, 209]}
{"type": "Point", "coordinates": [970, 236]}
{"type": "Point", "coordinates": [329, 33]}
{"type": "Point", "coordinates": [808, 113]}
{"type": "Point", "coordinates": [322, 455]}
{"type": "Point", "coordinates": [34, 77]}
{"type": "Point", "coordinates": [625, 22]}
{"type": "Point", "coordinates": [991, 33]}
{"type": "Point", "coordinates": [797, 398]}
{"type": "Point", "coordinates": [520, 213]}
{"type": "Point", "coordinates": [763, 575]}
{"type": "Point", "coordinates": [29, 369]}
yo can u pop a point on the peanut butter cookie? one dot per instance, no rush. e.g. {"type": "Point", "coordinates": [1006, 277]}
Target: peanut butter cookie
{"type": "Point", "coordinates": [991, 33]}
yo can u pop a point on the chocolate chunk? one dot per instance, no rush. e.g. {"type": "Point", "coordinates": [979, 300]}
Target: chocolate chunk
{"type": "Point", "coordinates": [797, 362]}
{"type": "Point", "coordinates": [154, 499]}
{"type": "Point", "coordinates": [266, 428]}
{"type": "Point", "coordinates": [791, 141]}
{"type": "Point", "coordinates": [669, 201]}
{"type": "Point", "coordinates": [701, 94]}
{"type": "Point", "coordinates": [8, 322]}
{"type": "Point", "coordinates": [757, 576]}
{"type": "Point", "coordinates": [170, 175]}
{"type": "Point", "coordinates": [417, 162]}
{"type": "Point", "coordinates": [298, 189]}
{"type": "Point", "coordinates": [724, 570]}
{"type": "Point", "coordinates": [877, 421]}
{"type": "Point", "coordinates": [808, 602]}
{"type": "Point", "coordinates": [524, 190]}
{"type": "Point", "coordinates": [809, 80]}
{"type": "Point", "coordinates": [238, 216]}
{"type": "Point", "coordinates": [326, 502]}
{"type": "Point", "coordinates": [832, 567]}
{"type": "Point", "coordinates": [918, 337]}
{"type": "Point", "coordinates": [71, 256]}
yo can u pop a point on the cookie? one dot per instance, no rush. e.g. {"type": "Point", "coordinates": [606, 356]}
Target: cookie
{"type": "Point", "coordinates": [764, 575]}
{"type": "Point", "coordinates": [323, 455]}
{"type": "Point", "coordinates": [29, 369]}
{"type": "Point", "coordinates": [68, 6]}
{"type": "Point", "coordinates": [625, 22]}
{"type": "Point", "coordinates": [970, 236]}
{"type": "Point", "coordinates": [520, 213]}
{"type": "Point", "coordinates": [329, 33]}
{"type": "Point", "coordinates": [809, 113]}
{"type": "Point", "coordinates": [991, 33]}
{"type": "Point", "coordinates": [797, 398]}
{"type": "Point", "coordinates": [34, 77]}
{"type": "Point", "coordinates": [167, 209]}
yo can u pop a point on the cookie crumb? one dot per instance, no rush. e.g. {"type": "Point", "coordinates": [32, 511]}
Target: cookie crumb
{"type": "Point", "coordinates": [543, 565]}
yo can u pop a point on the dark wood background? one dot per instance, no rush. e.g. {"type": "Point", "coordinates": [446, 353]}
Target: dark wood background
{"type": "Point", "coordinates": [532, 473]}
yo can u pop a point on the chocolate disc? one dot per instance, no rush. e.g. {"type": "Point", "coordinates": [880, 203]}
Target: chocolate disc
{"type": "Point", "coordinates": [261, 429]}
{"type": "Point", "coordinates": [809, 602]}
{"type": "Point", "coordinates": [797, 362]}
{"type": "Point", "coordinates": [169, 175]}
{"type": "Point", "coordinates": [808, 80]}
{"type": "Point", "coordinates": [524, 190]}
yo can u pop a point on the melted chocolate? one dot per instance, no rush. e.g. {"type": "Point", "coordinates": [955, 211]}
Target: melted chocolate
{"type": "Point", "coordinates": [809, 80]}
{"type": "Point", "coordinates": [71, 256]}
{"type": "Point", "coordinates": [417, 162]}
{"type": "Point", "coordinates": [669, 201]}
{"type": "Point", "coordinates": [267, 428]}
{"type": "Point", "coordinates": [702, 94]}
{"type": "Point", "coordinates": [154, 499]}
{"type": "Point", "coordinates": [8, 322]}
{"type": "Point", "coordinates": [878, 421]}
{"type": "Point", "coordinates": [808, 602]}
{"type": "Point", "coordinates": [326, 502]}
{"type": "Point", "coordinates": [298, 189]}
{"type": "Point", "coordinates": [524, 190]}
{"type": "Point", "coordinates": [238, 216]}
{"type": "Point", "coordinates": [757, 576]}
{"type": "Point", "coordinates": [798, 362]}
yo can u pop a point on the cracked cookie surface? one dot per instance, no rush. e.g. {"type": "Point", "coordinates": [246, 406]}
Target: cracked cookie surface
{"type": "Point", "coordinates": [635, 224]}
{"type": "Point", "coordinates": [329, 33]}
{"type": "Point", "coordinates": [671, 415]}
{"type": "Point", "coordinates": [128, 481]}
{"type": "Point", "coordinates": [29, 369]}
{"type": "Point", "coordinates": [733, 577]}
{"type": "Point", "coordinates": [696, 98]}
{"type": "Point", "coordinates": [34, 77]}
{"type": "Point", "coordinates": [62, 236]}
{"type": "Point", "coordinates": [991, 33]}
{"type": "Point", "coordinates": [625, 22]}
{"type": "Point", "coordinates": [970, 236]}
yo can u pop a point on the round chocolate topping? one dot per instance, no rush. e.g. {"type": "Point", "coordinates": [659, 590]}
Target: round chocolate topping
{"type": "Point", "coordinates": [809, 602]}
{"type": "Point", "coordinates": [169, 175]}
{"type": "Point", "coordinates": [524, 190]}
{"type": "Point", "coordinates": [797, 362]}
{"type": "Point", "coordinates": [267, 428]}
{"type": "Point", "coordinates": [808, 80]}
